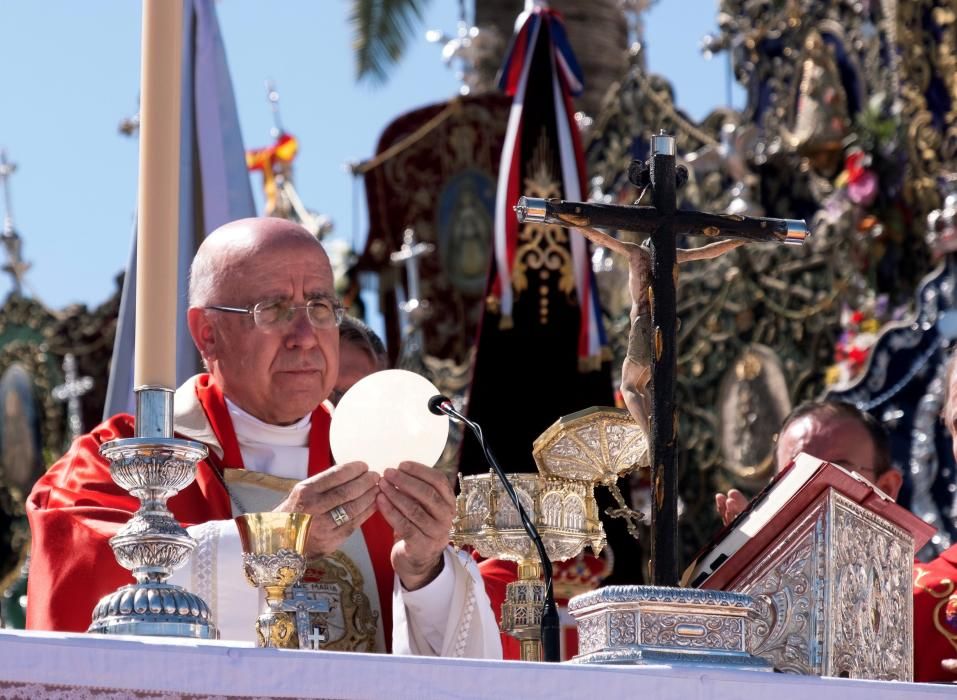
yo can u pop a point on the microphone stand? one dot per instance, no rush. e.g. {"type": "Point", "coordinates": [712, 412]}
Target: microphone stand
{"type": "Point", "coordinates": [551, 649]}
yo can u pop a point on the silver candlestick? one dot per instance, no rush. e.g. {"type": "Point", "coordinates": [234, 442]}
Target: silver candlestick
{"type": "Point", "coordinates": [153, 466]}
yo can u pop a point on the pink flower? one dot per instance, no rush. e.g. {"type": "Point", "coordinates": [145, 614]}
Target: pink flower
{"type": "Point", "coordinates": [862, 190]}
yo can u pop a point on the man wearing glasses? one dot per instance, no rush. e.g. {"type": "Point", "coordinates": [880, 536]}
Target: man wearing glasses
{"type": "Point", "coordinates": [834, 431]}
{"type": "Point", "coordinates": [265, 319]}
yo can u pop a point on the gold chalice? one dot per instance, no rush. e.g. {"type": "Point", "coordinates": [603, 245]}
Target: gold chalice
{"type": "Point", "coordinates": [274, 559]}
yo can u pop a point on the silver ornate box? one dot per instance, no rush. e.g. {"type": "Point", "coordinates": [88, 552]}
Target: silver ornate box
{"type": "Point", "coordinates": [834, 595]}
{"type": "Point", "coordinates": [655, 624]}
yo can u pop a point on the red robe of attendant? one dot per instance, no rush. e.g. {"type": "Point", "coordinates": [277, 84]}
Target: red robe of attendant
{"type": "Point", "coordinates": [935, 617]}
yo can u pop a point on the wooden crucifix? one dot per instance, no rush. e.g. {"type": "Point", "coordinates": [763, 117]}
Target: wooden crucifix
{"type": "Point", "coordinates": [652, 346]}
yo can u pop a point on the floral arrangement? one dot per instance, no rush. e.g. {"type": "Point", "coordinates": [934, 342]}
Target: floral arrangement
{"type": "Point", "coordinates": [860, 328]}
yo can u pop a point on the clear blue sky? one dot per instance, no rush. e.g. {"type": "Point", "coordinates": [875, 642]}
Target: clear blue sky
{"type": "Point", "coordinates": [69, 72]}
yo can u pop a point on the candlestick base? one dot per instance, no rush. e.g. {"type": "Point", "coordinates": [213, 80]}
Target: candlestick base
{"type": "Point", "coordinates": [152, 544]}
{"type": "Point", "coordinates": [153, 610]}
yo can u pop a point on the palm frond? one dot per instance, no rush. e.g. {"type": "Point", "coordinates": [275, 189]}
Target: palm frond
{"type": "Point", "coordinates": [382, 29]}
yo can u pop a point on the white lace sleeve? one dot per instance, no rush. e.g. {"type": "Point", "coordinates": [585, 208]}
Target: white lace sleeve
{"type": "Point", "coordinates": [470, 629]}
{"type": "Point", "coordinates": [215, 573]}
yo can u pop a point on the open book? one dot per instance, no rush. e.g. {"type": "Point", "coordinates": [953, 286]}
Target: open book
{"type": "Point", "coordinates": [783, 500]}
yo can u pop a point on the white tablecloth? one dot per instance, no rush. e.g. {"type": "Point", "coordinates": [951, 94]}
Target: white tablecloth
{"type": "Point", "coordinates": [41, 665]}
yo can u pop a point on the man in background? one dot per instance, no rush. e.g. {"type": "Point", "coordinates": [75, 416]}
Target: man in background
{"type": "Point", "coordinates": [361, 352]}
{"type": "Point", "coordinates": [836, 432]}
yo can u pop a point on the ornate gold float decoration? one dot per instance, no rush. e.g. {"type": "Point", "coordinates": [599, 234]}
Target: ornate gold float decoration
{"type": "Point", "coordinates": [576, 453]}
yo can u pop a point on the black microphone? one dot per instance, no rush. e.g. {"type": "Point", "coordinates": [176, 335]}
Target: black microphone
{"type": "Point", "coordinates": [441, 405]}
{"type": "Point", "coordinates": [551, 649]}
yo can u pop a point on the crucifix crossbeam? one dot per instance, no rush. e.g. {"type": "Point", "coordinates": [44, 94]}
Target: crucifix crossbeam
{"type": "Point", "coordinates": [645, 220]}
{"type": "Point", "coordinates": [661, 221]}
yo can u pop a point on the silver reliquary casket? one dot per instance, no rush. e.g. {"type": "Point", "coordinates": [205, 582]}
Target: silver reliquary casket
{"type": "Point", "coordinates": [830, 571]}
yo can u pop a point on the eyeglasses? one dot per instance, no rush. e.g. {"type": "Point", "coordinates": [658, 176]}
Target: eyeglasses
{"type": "Point", "coordinates": [272, 315]}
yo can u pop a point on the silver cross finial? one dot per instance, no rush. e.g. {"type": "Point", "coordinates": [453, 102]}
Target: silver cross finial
{"type": "Point", "coordinates": [408, 255]}
{"type": "Point", "coordinates": [272, 94]}
{"type": "Point", "coordinates": [6, 170]}
{"type": "Point", "coordinates": [415, 310]}
{"type": "Point", "coordinates": [72, 388]}
{"type": "Point", "coordinates": [15, 266]}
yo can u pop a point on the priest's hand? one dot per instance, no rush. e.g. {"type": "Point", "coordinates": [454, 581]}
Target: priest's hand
{"type": "Point", "coordinates": [419, 504]}
{"type": "Point", "coordinates": [339, 499]}
{"type": "Point", "coordinates": [730, 506]}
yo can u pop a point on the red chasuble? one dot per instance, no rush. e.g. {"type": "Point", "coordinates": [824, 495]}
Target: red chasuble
{"type": "Point", "coordinates": [935, 617]}
{"type": "Point", "coordinates": [75, 508]}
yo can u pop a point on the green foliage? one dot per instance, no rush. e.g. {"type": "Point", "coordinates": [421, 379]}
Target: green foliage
{"type": "Point", "coordinates": [876, 129]}
{"type": "Point", "coordinates": [382, 29]}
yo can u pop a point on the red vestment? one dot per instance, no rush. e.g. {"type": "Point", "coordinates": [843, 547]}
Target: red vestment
{"type": "Point", "coordinates": [497, 574]}
{"type": "Point", "coordinates": [935, 617]}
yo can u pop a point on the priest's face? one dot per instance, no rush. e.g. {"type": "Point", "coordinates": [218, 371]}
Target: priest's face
{"type": "Point", "coordinates": [281, 372]}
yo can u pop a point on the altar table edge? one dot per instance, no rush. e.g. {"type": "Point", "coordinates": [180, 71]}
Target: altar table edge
{"type": "Point", "coordinates": [39, 665]}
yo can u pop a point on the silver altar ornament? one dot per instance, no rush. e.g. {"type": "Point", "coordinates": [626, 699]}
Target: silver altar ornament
{"type": "Point", "coordinates": [834, 594]}
{"type": "Point", "coordinates": [597, 445]}
{"type": "Point", "coordinates": [153, 467]}
{"type": "Point", "coordinates": [577, 452]}
{"type": "Point", "coordinates": [661, 625]}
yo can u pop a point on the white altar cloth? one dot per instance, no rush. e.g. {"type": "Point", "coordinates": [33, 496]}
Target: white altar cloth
{"type": "Point", "coordinates": [42, 665]}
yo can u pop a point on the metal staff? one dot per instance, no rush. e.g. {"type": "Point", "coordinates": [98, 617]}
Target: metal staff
{"type": "Point", "coordinates": [662, 222]}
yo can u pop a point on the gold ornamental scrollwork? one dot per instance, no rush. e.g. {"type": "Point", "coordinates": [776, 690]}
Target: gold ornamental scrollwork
{"type": "Point", "coordinates": [542, 248]}
{"type": "Point", "coordinates": [351, 625]}
{"type": "Point", "coordinates": [932, 149]}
